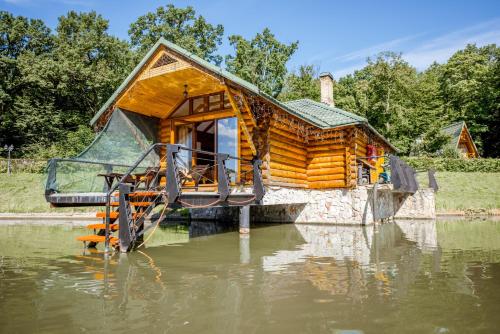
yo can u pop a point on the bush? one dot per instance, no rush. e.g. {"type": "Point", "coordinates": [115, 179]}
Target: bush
{"type": "Point", "coordinates": [442, 164]}
{"type": "Point", "coordinates": [23, 165]}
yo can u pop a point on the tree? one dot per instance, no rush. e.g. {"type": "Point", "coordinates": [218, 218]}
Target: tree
{"type": "Point", "coordinates": [54, 84]}
{"type": "Point", "coordinates": [261, 61]}
{"type": "Point", "coordinates": [87, 65]}
{"type": "Point", "coordinates": [18, 36]}
{"type": "Point", "coordinates": [180, 26]}
{"type": "Point", "coordinates": [301, 85]}
{"type": "Point", "coordinates": [469, 84]}
{"type": "Point", "coordinates": [383, 92]}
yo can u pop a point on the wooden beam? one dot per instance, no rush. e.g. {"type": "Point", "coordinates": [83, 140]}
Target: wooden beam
{"type": "Point", "coordinates": [205, 116]}
{"type": "Point", "coordinates": [245, 105]}
{"type": "Point", "coordinates": [242, 121]}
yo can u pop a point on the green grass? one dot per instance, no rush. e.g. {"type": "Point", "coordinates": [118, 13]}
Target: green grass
{"type": "Point", "coordinates": [466, 191]}
{"type": "Point", "coordinates": [23, 192]}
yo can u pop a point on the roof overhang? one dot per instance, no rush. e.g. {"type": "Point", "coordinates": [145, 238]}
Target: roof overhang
{"type": "Point", "coordinates": [154, 91]}
{"type": "Point", "coordinates": [210, 74]}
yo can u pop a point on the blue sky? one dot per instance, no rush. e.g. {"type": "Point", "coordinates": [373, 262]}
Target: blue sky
{"type": "Point", "coordinates": [335, 36]}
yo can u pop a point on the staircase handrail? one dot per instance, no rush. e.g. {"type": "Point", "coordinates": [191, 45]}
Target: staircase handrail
{"type": "Point", "coordinates": [113, 188]}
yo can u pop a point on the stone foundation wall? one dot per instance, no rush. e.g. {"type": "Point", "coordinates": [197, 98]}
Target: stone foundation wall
{"type": "Point", "coordinates": [336, 206]}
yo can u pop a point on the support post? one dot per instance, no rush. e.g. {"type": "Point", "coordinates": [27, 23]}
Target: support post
{"type": "Point", "coordinates": [222, 179]}
{"type": "Point", "coordinates": [173, 183]}
{"type": "Point", "coordinates": [258, 184]}
{"type": "Point", "coordinates": [244, 248]}
{"type": "Point", "coordinates": [124, 218]}
{"type": "Point", "coordinates": [245, 219]}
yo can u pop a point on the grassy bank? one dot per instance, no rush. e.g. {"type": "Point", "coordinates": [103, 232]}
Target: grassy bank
{"type": "Point", "coordinates": [467, 191]}
{"type": "Point", "coordinates": [23, 193]}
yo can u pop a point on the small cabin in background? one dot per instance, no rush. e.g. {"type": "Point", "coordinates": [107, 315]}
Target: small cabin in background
{"type": "Point", "coordinates": [302, 143]}
{"type": "Point", "coordinates": [461, 139]}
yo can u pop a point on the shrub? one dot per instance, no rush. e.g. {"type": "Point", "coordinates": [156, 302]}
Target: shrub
{"type": "Point", "coordinates": [23, 166]}
{"type": "Point", "coordinates": [442, 164]}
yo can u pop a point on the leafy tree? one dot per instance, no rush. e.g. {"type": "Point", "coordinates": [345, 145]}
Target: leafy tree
{"type": "Point", "coordinates": [261, 61]}
{"type": "Point", "coordinates": [180, 26]}
{"type": "Point", "coordinates": [301, 85]}
{"type": "Point", "coordinates": [58, 81]}
{"type": "Point", "coordinates": [432, 141]}
{"type": "Point", "coordinates": [384, 93]}
{"type": "Point", "coordinates": [469, 84]}
{"type": "Point", "coordinates": [88, 64]}
{"type": "Point", "coordinates": [18, 36]}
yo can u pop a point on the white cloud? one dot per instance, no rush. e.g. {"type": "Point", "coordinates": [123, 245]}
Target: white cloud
{"type": "Point", "coordinates": [375, 49]}
{"type": "Point", "coordinates": [348, 70]}
{"type": "Point", "coordinates": [421, 53]}
{"type": "Point", "coordinates": [439, 49]}
{"type": "Point", "coordinates": [328, 58]}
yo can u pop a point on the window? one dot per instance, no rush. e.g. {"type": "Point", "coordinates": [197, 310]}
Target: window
{"type": "Point", "coordinates": [199, 105]}
{"type": "Point", "coordinates": [183, 110]}
{"type": "Point", "coordinates": [214, 102]}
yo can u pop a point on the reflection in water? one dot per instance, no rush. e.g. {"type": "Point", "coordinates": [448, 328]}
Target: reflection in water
{"type": "Point", "coordinates": [408, 276]}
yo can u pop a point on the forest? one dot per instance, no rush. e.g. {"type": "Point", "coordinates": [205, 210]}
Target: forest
{"type": "Point", "coordinates": [54, 81]}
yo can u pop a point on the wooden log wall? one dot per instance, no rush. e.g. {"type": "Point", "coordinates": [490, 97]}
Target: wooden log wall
{"type": "Point", "coordinates": [287, 157]}
{"type": "Point", "coordinates": [329, 162]}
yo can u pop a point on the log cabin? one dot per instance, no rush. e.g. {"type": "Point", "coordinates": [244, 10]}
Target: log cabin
{"type": "Point", "coordinates": [303, 143]}
{"type": "Point", "coordinates": [461, 140]}
{"type": "Point", "coordinates": [219, 142]}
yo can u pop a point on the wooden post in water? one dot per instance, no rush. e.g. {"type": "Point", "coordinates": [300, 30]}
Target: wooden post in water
{"type": "Point", "coordinates": [245, 219]}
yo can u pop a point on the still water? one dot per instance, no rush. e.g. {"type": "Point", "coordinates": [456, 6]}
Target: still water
{"type": "Point", "coordinates": [404, 277]}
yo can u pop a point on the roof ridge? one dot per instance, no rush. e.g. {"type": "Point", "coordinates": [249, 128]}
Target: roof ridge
{"type": "Point", "coordinates": [336, 109]}
{"type": "Point", "coordinates": [453, 124]}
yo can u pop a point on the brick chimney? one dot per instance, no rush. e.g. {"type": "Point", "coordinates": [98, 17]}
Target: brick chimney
{"type": "Point", "coordinates": [326, 82]}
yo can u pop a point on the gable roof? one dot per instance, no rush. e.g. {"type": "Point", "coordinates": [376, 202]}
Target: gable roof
{"type": "Point", "coordinates": [454, 130]}
{"type": "Point", "coordinates": [312, 112]}
{"type": "Point", "coordinates": [194, 58]}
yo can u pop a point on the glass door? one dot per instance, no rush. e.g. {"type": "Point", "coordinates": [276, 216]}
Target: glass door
{"type": "Point", "coordinates": [205, 141]}
{"type": "Point", "coordinates": [227, 142]}
{"type": "Point", "coordinates": [215, 136]}
{"type": "Point", "coordinates": [184, 137]}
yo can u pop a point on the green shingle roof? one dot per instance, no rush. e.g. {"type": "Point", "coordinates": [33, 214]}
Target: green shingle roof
{"type": "Point", "coordinates": [454, 130]}
{"type": "Point", "coordinates": [322, 115]}
{"type": "Point", "coordinates": [326, 117]}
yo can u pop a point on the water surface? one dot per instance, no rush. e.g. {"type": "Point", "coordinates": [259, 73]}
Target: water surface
{"type": "Point", "coordinates": [404, 277]}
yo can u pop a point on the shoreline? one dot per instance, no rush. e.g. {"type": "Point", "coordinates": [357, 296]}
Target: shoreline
{"type": "Point", "coordinates": [82, 219]}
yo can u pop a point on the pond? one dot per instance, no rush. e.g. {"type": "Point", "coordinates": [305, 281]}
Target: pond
{"type": "Point", "coordinates": [417, 277]}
